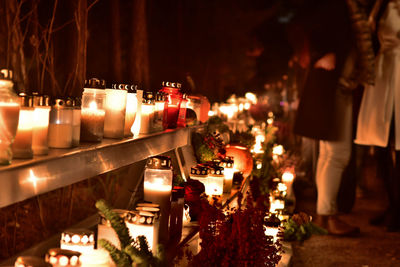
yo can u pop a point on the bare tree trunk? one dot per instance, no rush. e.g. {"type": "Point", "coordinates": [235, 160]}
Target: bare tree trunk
{"type": "Point", "coordinates": [79, 73]}
{"type": "Point", "coordinates": [116, 40]}
{"type": "Point", "coordinates": [15, 53]}
{"type": "Point", "coordinates": [139, 53]}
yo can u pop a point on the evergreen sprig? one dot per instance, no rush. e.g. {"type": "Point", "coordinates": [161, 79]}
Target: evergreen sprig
{"type": "Point", "coordinates": [133, 252]}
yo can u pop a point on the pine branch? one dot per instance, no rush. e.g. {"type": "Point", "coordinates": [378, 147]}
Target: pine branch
{"type": "Point", "coordinates": [116, 222]}
{"type": "Point", "coordinates": [120, 258]}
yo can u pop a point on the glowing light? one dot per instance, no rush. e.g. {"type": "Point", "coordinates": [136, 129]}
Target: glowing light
{"type": "Point", "coordinates": [247, 106]}
{"type": "Point", "coordinates": [282, 187]}
{"type": "Point", "coordinates": [252, 97]}
{"type": "Point", "coordinates": [270, 121]}
{"type": "Point", "coordinates": [93, 105]}
{"type": "Point", "coordinates": [211, 113]}
{"type": "Point", "coordinates": [278, 150]}
{"type": "Point", "coordinates": [287, 177]}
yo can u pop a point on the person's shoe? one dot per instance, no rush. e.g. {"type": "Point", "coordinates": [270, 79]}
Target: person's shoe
{"type": "Point", "coordinates": [335, 226]}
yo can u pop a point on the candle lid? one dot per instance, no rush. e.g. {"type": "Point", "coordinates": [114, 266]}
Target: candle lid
{"type": "Point", "coordinates": [40, 100]}
{"type": "Point", "coordinates": [60, 103]}
{"type": "Point", "coordinates": [31, 261]}
{"type": "Point", "coordinates": [6, 74]}
{"type": "Point", "coordinates": [171, 84]}
{"type": "Point", "coordinates": [148, 97]}
{"type": "Point", "coordinates": [63, 257]}
{"type": "Point", "coordinates": [120, 86]}
{"type": "Point", "coordinates": [216, 170]}
{"type": "Point", "coordinates": [160, 96]}
{"type": "Point", "coordinates": [25, 100]}
{"type": "Point", "coordinates": [95, 83]}
{"type": "Point", "coordinates": [227, 162]}
{"type": "Point", "coordinates": [145, 204]}
{"type": "Point", "coordinates": [159, 162]}
{"type": "Point", "coordinates": [272, 221]}
{"type": "Point", "coordinates": [77, 237]}
{"type": "Point", "coordinates": [143, 217]}
{"type": "Point", "coordinates": [199, 170]}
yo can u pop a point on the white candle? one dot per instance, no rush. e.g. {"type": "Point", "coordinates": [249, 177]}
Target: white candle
{"type": "Point", "coordinates": [130, 114]}
{"type": "Point", "coordinates": [215, 185]}
{"type": "Point", "coordinates": [272, 231]}
{"type": "Point", "coordinates": [96, 258]}
{"type": "Point", "coordinates": [114, 121]}
{"type": "Point", "coordinates": [60, 135]}
{"type": "Point", "coordinates": [146, 118]}
{"type": "Point", "coordinates": [9, 116]}
{"type": "Point", "coordinates": [228, 178]}
{"type": "Point", "coordinates": [40, 130]}
{"type": "Point", "coordinates": [22, 146]}
{"type": "Point", "coordinates": [276, 204]}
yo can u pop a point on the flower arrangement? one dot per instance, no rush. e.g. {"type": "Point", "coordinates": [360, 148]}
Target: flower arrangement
{"type": "Point", "coordinates": [299, 228]}
{"type": "Point", "coordinates": [133, 252]}
{"type": "Point", "coordinates": [235, 237]}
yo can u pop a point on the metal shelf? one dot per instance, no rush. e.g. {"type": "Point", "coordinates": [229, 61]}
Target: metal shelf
{"type": "Point", "coordinates": [24, 179]}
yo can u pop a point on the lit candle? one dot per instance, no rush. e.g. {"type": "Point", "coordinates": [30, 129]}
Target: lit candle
{"type": "Point", "coordinates": [81, 240]}
{"type": "Point", "coordinates": [114, 121]}
{"type": "Point", "coordinates": [157, 189]}
{"type": "Point", "coordinates": [92, 112]}
{"type": "Point", "coordinates": [173, 100]}
{"type": "Point", "coordinates": [276, 204]}
{"type": "Point", "coordinates": [143, 223]}
{"type": "Point", "coordinates": [96, 258]}
{"type": "Point", "coordinates": [147, 114]}
{"type": "Point", "coordinates": [22, 146]}
{"type": "Point", "coordinates": [9, 116]}
{"type": "Point", "coordinates": [131, 109]}
{"type": "Point", "coordinates": [215, 181]}
{"type": "Point", "coordinates": [272, 226]}
{"type": "Point", "coordinates": [41, 117]}
{"type": "Point", "coordinates": [287, 179]}
{"type": "Point", "coordinates": [229, 171]}
{"type": "Point", "coordinates": [58, 257]}
{"type": "Point", "coordinates": [200, 173]}
{"type": "Point", "coordinates": [60, 125]}
{"type": "Point", "coordinates": [159, 112]}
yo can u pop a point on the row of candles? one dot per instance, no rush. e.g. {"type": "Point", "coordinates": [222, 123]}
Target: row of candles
{"type": "Point", "coordinates": [30, 124]}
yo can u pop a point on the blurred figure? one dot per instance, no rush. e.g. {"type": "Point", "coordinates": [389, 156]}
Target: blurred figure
{"type": "Point", "coordinates": [325, 110]}
{"type": "Point", "coordinates": [379, 118]}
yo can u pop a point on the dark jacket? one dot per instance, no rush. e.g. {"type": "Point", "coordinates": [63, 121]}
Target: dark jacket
{"type": "Point", "coordinates": [329, 31]}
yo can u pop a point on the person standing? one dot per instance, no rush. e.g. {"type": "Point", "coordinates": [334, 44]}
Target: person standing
{"type": "Point", "coordinates": [379, 118]}
{"type": "Point", "coordinates": [325, 111]}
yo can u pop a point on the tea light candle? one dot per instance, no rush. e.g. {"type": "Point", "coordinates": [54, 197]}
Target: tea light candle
{"type": "Point", "coordinates": [58, 257]}
{"type": "Point", "coordinates": [96, 258]}
{"type": "Point", "coordinates": [114, 121]}
{"type": "Point", "coordinates": [229, 171]}
{"type": "Point", "coordinates": [41, 117]}
{"type": "Point", "coordinates": [81, 240]}
{"type": "Point", "coordinates": [22, 146]}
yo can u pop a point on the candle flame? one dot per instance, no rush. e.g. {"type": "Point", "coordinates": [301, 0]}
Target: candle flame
{"type": "Point", "coordinates": [93, 105]}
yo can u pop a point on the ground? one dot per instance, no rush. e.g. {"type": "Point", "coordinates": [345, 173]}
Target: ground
{"type": "Point", "coordinates": [373, 247]}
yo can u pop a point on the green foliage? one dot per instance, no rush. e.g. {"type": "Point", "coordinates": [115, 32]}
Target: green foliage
{"type": "Point", "coordinates": [132, 252]}
{"type": "Point", "coordinates": [244, 138]}
{"type": "Point", "coordinates": [300, 232]}
{"type": "Point", "coordinates": [216, 124]}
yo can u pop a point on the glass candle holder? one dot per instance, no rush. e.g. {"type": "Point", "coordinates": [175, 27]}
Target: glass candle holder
{"type": "Point", "coordinates": [181, 122]}
{"type": "Point", "coordinates": [133, 104]}
{"type": "Point", "coordinates": [41, 116]}
{"type": "Point", "coordinates": [60, 125]}
{"type": "Point", "coordinates": [22, 146]}
{"type": "Point", "coordinates": [173, 99]}
{"type": "Point", "coordinates": [176, 218]}
{"type": "Point", "coordinates": [114, 121]}
{"type": "Point", "coordinates": [215, 181]}
{"type": "Point", "coordinates": [157, 189]}
{"type": "Point", "coordinates": [194, 103]}
{"type": "Point", "coordinates": [159, 112]}
{"type": "Point", "coordinates": [229, 171]}
{"type": "Point", "coordinates": [76, 121]}
{"type": "Point", "coordinates": [200, 173]}
{"type": "Point", "coordinates": [93, 111]}
{"type": "Point", "coordinates": [9, 116]}
{"type": "Point", "coordinates": [58, 257]}
{"type": "Point", "coordinates": [81, 240]}
{"type": "Point", "coordinates": [147, 113]}
{"type": "Point", "coordinates": [30, 261]}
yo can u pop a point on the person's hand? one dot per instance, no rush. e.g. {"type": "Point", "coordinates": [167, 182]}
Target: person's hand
{"type": "Point", "coordinates": [327, 62]}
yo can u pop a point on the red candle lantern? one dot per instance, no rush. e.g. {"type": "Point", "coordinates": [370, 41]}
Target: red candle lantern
{"type": "Point", "coordinates": [173, 100]}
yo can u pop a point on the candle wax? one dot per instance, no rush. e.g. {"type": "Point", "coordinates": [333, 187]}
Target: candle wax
{"type": "Point", "coordinates": [40, 130]}
{"type": "Point", "coordinates": [114, 123]}
{"type": "Point", "coordinates": [22, 146]}
{"type": "Point", "coordinates": [60, 135]}
{"type": "Point", "coordinates": [92, 125]}
{"type": "Point", "coordinates": [171, 117]}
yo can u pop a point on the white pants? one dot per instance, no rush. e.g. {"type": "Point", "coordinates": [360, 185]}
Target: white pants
{"type": "Point", "coordinates": [333, 159]}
